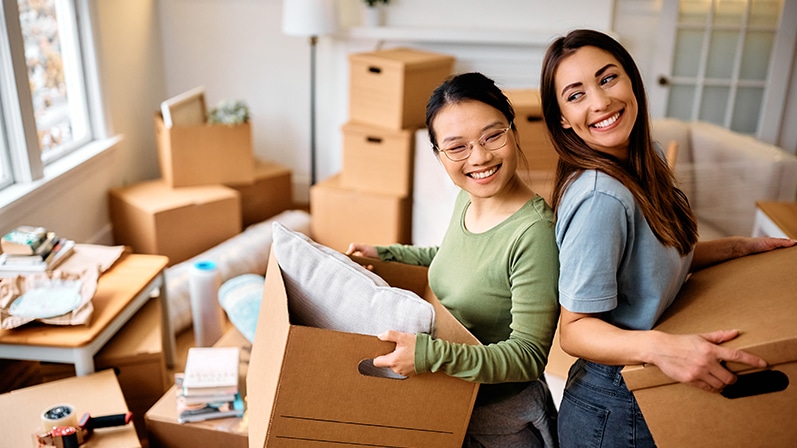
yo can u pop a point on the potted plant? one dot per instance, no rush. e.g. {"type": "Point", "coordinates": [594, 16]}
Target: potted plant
{"type": "Point", "coordinates": [373, 12]}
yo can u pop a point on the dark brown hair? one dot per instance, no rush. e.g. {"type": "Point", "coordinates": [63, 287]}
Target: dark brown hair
{"type": "Point", "coordinates": [645, 174]}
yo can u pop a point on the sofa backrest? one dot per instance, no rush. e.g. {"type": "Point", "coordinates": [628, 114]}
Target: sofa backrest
{"type": "Point", "coordinates": [732, 171]}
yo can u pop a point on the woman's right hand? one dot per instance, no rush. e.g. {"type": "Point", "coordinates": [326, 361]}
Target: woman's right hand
{"type": "Point", "coordinates": [698, 359]}
{"type": "Point", "coordinates": [362, 250]}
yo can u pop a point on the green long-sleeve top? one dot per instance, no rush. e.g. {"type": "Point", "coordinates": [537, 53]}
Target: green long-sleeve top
{"type": "Point", "coordinates": [502, 285]}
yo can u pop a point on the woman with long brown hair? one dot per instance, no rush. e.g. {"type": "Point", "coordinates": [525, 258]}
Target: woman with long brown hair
{"type": "Point", "coordinates": [627, 239]}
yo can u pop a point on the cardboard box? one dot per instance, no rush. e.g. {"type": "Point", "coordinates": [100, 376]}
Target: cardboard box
{"type": "Point", "coordinates": [533, 136]}
{"type": "Point", "coordinates": [97, 393]}
{"type": "Point", "coordinates": [204, 154]}
{"type": "Point", "coordinates": [305, 388]}
{"type": "Point", "coordinates": [377, 160]}
{"type": "Point", "coordinates": [164, 431]}
{"type": "Point", "coordinates": [755, 294]}
{"type": "Point", "coordinates": [344, 215]}
{"type": "Point", "coordinates": [153, 218]}
{"type": "Point", "coordinates": [135, 354]}
{"type": "Point", "coordinates": [270, 194]}
{"type": "Point", "coordinates": [390, 88]}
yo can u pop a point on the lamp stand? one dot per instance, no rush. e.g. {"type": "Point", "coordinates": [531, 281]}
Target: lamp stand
{"type": "Point", "coordinates": [313, 41]}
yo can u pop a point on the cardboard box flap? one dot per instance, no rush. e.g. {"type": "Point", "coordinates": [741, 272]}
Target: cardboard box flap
{"type": "Point", "coordinates": [755, 294]}
{"type": "Point", "coordinates": [268, 354]}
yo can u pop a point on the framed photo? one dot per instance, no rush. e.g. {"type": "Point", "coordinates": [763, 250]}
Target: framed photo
{"type": "Point", "coordinates": [185, 109]}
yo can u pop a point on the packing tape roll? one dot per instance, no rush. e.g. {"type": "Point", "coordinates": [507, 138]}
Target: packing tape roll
{"type": "Point", "coordinates": [59, 415]}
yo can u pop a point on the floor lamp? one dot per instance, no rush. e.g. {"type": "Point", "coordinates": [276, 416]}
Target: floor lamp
{"type": "Point", "coordinates": [310, 18]}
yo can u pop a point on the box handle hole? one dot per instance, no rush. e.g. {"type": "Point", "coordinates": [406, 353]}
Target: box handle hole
{"type": "Point", "coordinates": [373, 69]}
{"type": "Point", "coordinates": [757, 383]}
{"type": "Point", "coordinates": [533, 118]}
{"type": "Point", "coordinates": [373, 140]}
{"type": "Point", "coordinates": [367, 368]}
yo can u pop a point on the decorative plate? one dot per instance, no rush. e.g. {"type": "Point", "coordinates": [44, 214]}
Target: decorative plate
{"type": "Point", "coordinates": [48, 300]}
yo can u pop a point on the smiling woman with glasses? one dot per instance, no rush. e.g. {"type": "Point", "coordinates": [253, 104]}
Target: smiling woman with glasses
{"type": "Point", "coordinates": [496, 270]}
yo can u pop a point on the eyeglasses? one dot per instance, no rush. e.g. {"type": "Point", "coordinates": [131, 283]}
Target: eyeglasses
{"type": "Point", "coordinates": [491, 141]}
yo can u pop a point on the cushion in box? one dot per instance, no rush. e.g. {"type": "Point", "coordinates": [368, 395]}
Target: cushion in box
{"type": "Point", "coordinates": [326, 289]}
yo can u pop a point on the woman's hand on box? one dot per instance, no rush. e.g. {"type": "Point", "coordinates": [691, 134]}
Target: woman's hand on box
{"type": "Point", "coordinates": [362, 250]}
{"type": "Point", "coordinates": [402, 359]}
{"type": "Point", "coordinates": [699, 360]}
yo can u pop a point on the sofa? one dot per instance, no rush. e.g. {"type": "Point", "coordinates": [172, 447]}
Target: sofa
{"type": "Point", "coordinates": [722, 172]}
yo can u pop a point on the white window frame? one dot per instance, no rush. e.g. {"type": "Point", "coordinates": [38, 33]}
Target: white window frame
{"type": "Point", "coordinates": [29, 173]}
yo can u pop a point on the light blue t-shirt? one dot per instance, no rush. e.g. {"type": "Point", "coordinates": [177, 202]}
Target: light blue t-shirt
{"type": "Point", "coordinates": [610, 260]}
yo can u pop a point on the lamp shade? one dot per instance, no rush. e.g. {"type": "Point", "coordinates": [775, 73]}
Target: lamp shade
{"type": "Point", "coordinates": [309, 17]}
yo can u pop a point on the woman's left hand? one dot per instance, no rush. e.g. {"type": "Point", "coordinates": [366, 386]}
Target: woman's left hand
{"type": "Point", "coordinates": [754, 245]}
{"type": "Point", "coordinates": [708, 253]}
{"type": "Point", "coordinates": [402, 359]}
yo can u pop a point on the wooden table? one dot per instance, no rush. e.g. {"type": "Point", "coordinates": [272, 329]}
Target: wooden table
{"type": "Point", "coordinates": [121, 292]}
{"type": "Point", "coordinates": [777, 219]}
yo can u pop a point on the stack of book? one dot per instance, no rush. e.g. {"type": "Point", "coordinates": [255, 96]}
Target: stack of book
{"type": "Point", "coordinates": [29, 249]}
{"type": "Point", "coordinates": [209, 386]}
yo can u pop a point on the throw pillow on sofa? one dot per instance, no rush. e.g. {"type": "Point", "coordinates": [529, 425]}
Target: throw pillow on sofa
{"type": "Point", "coordinates": [326, 289]}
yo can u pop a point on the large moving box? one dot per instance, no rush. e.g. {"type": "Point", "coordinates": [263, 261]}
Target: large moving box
{"type": "Point", "coordinates": [204, 154]}
{"type": "Point", "coordinates": [758, 295]}
{"type": "Point", "coordinates": [390, 88]}
{"type": "Point", "coordinates": [164, 431]}
{"type": "Point", "coordinates": [345, 215]}
{"type": "Point", "coordinates": [97, 393]}
{"type": "Point", "coordinates": [377, 160]}
{"type": "Point", "coordinates": [304, 387]}
{"type": "Point", "coordinates": [153, 218]}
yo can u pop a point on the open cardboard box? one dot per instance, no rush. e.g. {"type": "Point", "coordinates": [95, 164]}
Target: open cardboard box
{"type": "Point", "coordinates": [304, 386]}
{"type": "Point", "coordinates": [758, 295]}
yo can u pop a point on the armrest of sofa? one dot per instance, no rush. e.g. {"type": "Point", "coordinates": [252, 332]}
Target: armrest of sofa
{"type": "Point", "coordinates": [732, 171]}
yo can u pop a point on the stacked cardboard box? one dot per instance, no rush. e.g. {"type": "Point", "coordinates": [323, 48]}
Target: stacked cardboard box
{"type": "Point", "coordinates": [212, 186]}
{"type": "Point", "coordinates": [533, 140]}
{"type": "Point", "coordinates": [388, 94]}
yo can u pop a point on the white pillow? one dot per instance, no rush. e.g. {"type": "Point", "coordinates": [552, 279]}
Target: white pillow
{"type": "Point", "coordinates": [326, 289]}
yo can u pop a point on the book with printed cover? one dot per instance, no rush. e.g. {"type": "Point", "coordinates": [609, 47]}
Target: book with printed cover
{"type": "Point", "coordinates": [211, 371]}
{"type": "Point", "coordinates": [24, 240]}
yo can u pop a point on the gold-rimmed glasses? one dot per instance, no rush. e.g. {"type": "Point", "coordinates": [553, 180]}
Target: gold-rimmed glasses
{"type": "Point", "coordinates": [491, 141]}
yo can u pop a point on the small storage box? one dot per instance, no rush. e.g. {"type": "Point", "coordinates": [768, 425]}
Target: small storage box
{"type": "Point", "coordinates": [271, 193]}
{"type": "Point", "coordinates": [377, 160]}
{"type": "Point", "coordinates": [345, 215]}
{"type": "Point", "coordinates": [390, 88]}
{"type": "Point", "coordinates": [534, 139]}
{"type": "Point", "coordinates": [204, 154]}
{"type": "Point", "coordinates": [757, 295]}
{"type": "Point", "coordinates": [153, 218]}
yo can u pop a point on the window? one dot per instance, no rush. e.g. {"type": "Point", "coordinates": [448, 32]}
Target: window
{"type": "Point", "coordinates": [45, 98]}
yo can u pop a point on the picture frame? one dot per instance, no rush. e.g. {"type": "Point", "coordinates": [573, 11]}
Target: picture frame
{"type": "Point", "coordinates": [185, 109]}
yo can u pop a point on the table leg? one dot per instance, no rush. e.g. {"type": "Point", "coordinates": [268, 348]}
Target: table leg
{"type": "Point", "coordinates": [84, 361]}
{"type": "Point", "coordinates": [167, 332]}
